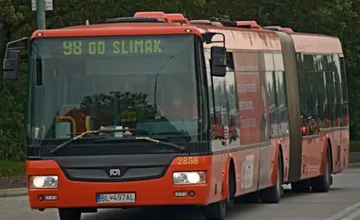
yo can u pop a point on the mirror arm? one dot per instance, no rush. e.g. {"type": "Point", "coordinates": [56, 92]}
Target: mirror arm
{"type": "Point", "coordinates": [209, 35]}
{"type": "Point", "coordinates": [14, 48]}
{"type": "Point", "coordinates": [223, 41]}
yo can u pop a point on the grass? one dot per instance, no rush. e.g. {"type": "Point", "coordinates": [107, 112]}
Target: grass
{"type": "Point", "coordinates": [355, 146]}
{"type": "Point", "coordinates": [11, 168]}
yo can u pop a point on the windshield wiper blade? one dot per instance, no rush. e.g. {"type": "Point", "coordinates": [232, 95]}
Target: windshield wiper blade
{"type": "Point", "coordinates": [62, 145]}
{"type": "Point", "coordinates": [81, 135]}
{"type": "Point", "coordinates": [173, 146]}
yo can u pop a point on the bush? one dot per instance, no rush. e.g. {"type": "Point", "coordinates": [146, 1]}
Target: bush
{"type": "Point", "coordinates": [12, 118]}
{"type": "Point", "coordinates": [11, 168]}
{"type": "Point", "coordinates": [355, 146]}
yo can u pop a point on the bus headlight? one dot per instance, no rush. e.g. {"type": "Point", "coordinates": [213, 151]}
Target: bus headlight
{"type": "Point", "coordinates": [181, 178]}
{"type": "Point", "coordinates": [44, 182]}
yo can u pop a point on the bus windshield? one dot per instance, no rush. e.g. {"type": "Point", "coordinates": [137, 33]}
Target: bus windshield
{"type": "Point", "coordinates": [144, 83]}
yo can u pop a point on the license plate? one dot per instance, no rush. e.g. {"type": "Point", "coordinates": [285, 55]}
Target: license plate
{"type": "Point", "coordinates": [116, 198]}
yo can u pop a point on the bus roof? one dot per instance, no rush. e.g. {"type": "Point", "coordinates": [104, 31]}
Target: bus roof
{"type": "Point", "coordinates": [251, 35]}
{"type": "Point", "coordinates": [316, 43]}
{"type": "Point", "coordinates": [250, 39]}
{"type": "Point", "coordinates": [113, 29]}
{"type": "Point", "coordinates": [142, 23]}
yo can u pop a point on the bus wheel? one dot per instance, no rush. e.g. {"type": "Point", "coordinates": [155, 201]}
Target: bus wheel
{"type": "Point", "coordinates": [274, 193]}
{"type": "Point", "coordinates": [232, 189]}
{"type": "Point", "coordinates": [69, 214]}
{"type": "Point", "coordinates": [322, 183]}
{"type": "Point", "coordinates": [250, 198]}
{"type": "Point", "coordinates": [217, 211]}
{"type": "Point", "coordinates": [301, 186]}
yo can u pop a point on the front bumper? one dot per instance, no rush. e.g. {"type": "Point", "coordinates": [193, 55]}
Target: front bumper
{"type": "Point", "coordinates": [76, 194]}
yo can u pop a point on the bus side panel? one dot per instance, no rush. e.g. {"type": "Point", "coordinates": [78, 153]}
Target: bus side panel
{"type": "Point", "coordinates": [345, 132]}
{"type": "Point", "coordinates": [313, 151]}
{"type": "Point", "coordinates": [335, 139]}
{"type": "Point", "coordinates": [293, 101]}
{"type": "Point", "coordinates": [246, 164]}
{"type": "Point", "coordinates": [267, 161]}
{"type": "Point", "coordinates": [247, 170]}
{"type": "Point", "coordinates": [284, 144]}
{"type": "Point", "coordinates": [345, 149]}
{"type": "Point", "coordinates": [340, 149]}
{"type": "Point", "coordinates": [216, 176]}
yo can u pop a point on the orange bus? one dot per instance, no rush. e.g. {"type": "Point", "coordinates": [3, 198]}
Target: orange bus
{"type": "Point", "coordinates": [126, 114]}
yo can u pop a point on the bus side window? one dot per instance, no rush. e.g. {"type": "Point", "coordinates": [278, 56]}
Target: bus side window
{"type": "Point", "coordinates": [279, 77]}
{"type": "Point", "coordinates": [232, 111]}
{"type": "Point", "coordinates": [210, 87]}
{"type": "Point", "coordinates": [220, 106]}
{"type": "Point", "coordinates": [338, 89]}
{"type": "Point", "coordinates": [345, 107]}
{"type": "Point", "coordinates": [330, 94]}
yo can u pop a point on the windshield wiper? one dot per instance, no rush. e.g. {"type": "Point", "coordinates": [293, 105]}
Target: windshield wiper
{"type": "Point", "coordinates": [66, 143]}
{"type": "Point", "coordinates": [81, 135]}
{"type": "Point", "coordinates": [174, 146]}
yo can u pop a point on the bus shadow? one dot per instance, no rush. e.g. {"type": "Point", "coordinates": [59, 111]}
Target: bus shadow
{"type": "Point", "coordinates": [289, 197]}
{"type": "Point", "coordinates": [156, 213]}
{"type": "Point", "coordinates": [189, 213]}
{"type": "Point", "coordinates": [289, 194]}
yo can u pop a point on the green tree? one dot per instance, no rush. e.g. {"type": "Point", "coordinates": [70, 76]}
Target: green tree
{"type": "Point", "coordinates": [334, 17]}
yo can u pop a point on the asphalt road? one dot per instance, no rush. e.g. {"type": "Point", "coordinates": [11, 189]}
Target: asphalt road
{"type": "Point", "coordinates": [342, 202]}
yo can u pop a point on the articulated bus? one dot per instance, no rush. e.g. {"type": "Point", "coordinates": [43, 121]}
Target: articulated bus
{"type": "Point", "coordinates": [157, 110]}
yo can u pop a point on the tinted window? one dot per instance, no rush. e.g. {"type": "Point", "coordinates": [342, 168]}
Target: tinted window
{"type": "Point", "coordinates": [117, 81]}
{"type": "Point", "coordinates": [321, 88]}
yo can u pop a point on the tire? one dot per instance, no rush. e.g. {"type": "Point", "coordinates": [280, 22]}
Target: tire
{"type": "Point", "coordinates": [301, 186]}
{"type": "Point", "coordinates": [218, 210]}
{"type": "Point", "coordinates": [274, 193]}
{"type": "Point", "coordinates": [69, 214]}
{"type": "Point", "coordinates": [232, 189]}
{"type": "Point", "coordinates": [251, 198]}
{"type": "Point", "coordinates": [323, 183]}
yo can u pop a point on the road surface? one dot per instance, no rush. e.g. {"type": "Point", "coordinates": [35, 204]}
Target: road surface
{"type": "Point", "coordinates": [342, 202]}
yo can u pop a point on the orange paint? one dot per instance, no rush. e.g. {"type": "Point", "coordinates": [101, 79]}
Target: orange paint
{"type": "Point", "coordinates": [116, 30]}
{"type": "Point", "coordinates": [156, 192]}
{"type": "Point", "coordinates": [314, 153]}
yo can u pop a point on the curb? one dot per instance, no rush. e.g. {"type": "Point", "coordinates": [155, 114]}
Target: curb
{"type": "Point", "coordinates": [13, 192]}
{"type": "Point", "coordinates": [24, 192]}
{"type": "Point", "coordinates": [354, 164]}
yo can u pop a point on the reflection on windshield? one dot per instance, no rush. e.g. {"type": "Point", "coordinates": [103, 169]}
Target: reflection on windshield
{"type": "Point", "coordinates": [87, 93]}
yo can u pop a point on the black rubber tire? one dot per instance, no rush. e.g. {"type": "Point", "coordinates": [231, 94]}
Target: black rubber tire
{"type": "Point", "coordinates": [232, 189]}
{"type": "Point", "coordinates": [218, 210]}
{"type": "Point", "coordinates": [273, 194]}
{"type": "Point", "coordinates": [251, 198]}
{"type": "Point", "coordinates": [69, 214]}
{"type": "Point", "coordinates": [323, 183]}
{"type": "Point", "coordinates": [301, 186]}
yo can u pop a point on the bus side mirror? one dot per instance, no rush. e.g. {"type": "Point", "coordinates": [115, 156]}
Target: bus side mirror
{"type": "Point", "coordinates": [11, 65]}
{"type": "Point", "coordinates": [218, 61]}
